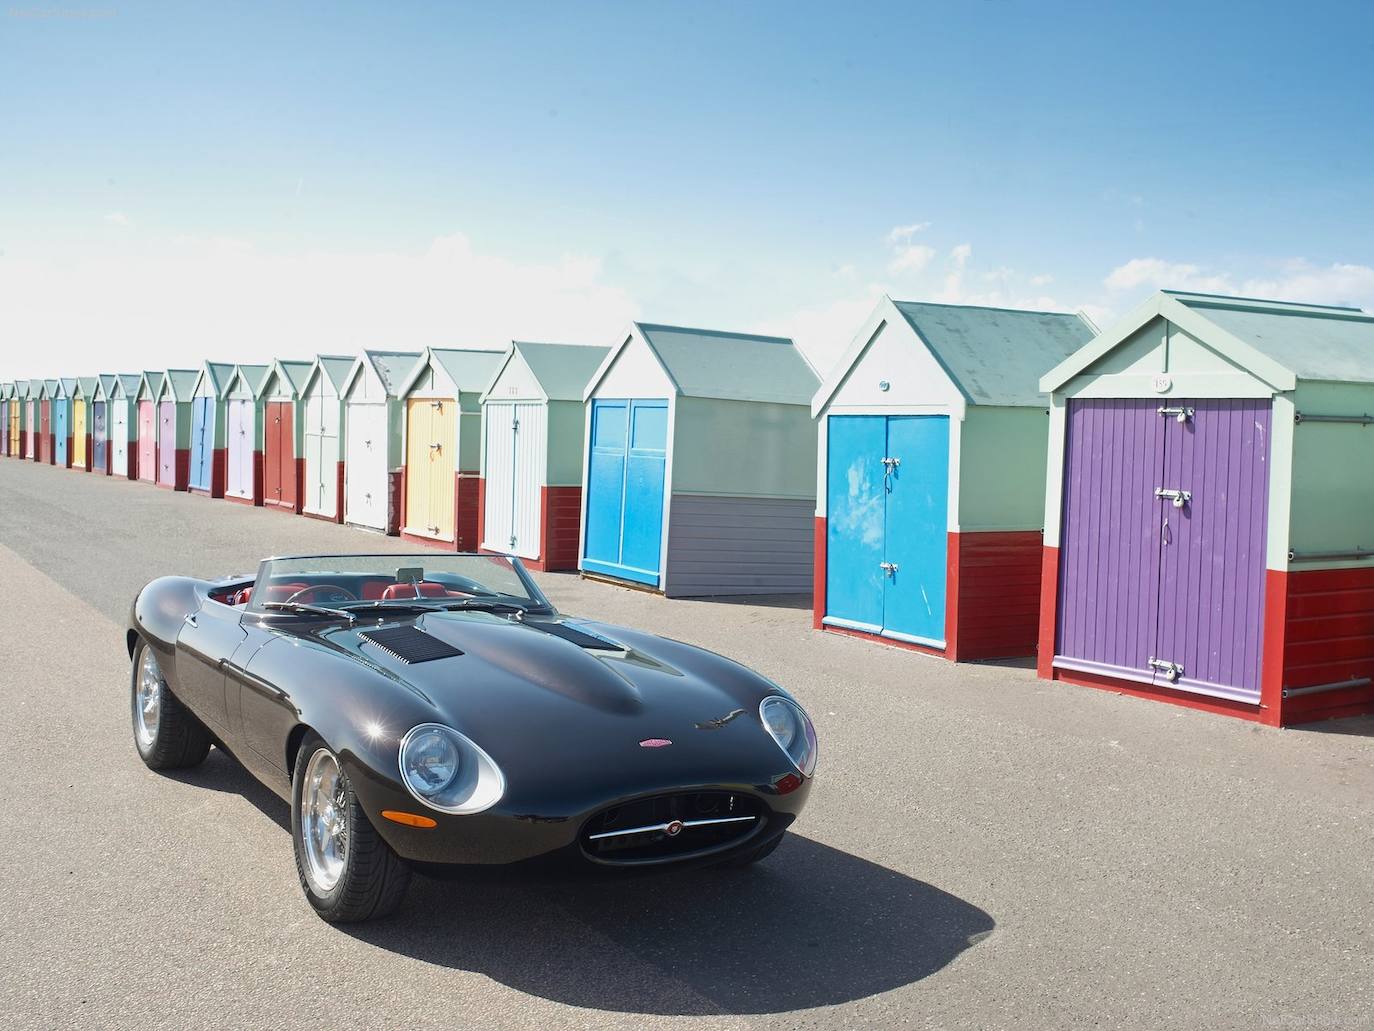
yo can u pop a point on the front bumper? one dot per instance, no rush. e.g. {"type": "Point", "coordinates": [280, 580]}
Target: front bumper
{"type": "Point", "coordinates": [524, 830]}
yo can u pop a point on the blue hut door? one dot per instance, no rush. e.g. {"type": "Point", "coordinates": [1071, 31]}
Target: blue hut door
{"type": "Point", "coordinates": [60, 410]}
{"type": "Point", "coordinates": [202, 440]}
{"type": "Point", "coordinates": [887, 497]}
{"type": "Point", "coordinates": [625, 485]}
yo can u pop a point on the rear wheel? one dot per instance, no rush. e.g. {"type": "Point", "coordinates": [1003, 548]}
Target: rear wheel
{"type": "Point", "coordinates": [166, 734]}
{"type": "Point", "coordinates": [754, 854]}
{"type": "Point", "coordinates": [348, 872]}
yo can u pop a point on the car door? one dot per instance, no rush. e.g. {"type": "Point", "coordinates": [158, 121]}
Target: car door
{"type": "Point", "coordinates": [206, 642]}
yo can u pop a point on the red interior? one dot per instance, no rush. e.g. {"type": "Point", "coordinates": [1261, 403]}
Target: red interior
{"type": "Point", "coordinates": [369, 590]}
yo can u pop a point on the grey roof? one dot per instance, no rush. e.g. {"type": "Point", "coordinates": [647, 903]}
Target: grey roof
{"type": "Point", "coordinates": [392, 367]}
{"type": "Point", "coordinates": [296, 373]}
{"type": "Point", "coordinates": [996, 356]}
{"type": "Point", "coordinates": [154, 382]}
{"type": "Point", "coordinates": [87, 385]}
{"type": "Point", "coordinates": [130, 381]}
{"type": "Point", "coordinates": [182, 382]}
{"type": "Point", "coordinates": [219, 374]}
{"type": "Point", "coordinates": [107, 380]}
{"type": "Point", "coordinates": [336, 367]}
{"type": "Point", "coordinates": [471, 370]}
{"type": "Point", "coordinates": [49, 388]}
{"type": "Point", "coordinates": [732, 366]}
{"type": "Point", "coordinates": [562, 370]}
{"type": "Point", "coordinates": [253, 375]}
{"type": "Point", "coordinates": [69, 385]}
{"type": "Point", "coordinates": [1313, 342]}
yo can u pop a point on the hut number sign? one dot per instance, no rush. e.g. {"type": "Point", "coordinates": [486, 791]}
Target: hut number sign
{"type": "Point", "coordinates": [1163, 383]}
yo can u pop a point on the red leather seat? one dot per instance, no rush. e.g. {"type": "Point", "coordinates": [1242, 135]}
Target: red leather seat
{"type": "Point", "coordinates": [423, 589]}
{"type": "Point", "coordinates": [242, 597]}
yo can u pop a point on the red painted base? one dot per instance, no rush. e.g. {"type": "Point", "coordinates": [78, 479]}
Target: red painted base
{"type": "Point", "coordinates": [219, 471]}
{"type": "Point", "coordinates": [992, 594]}
{"type": "Point", "coordinates": [395, 492]}
{"type": "Point", "coordinates": [1318, 629]}
{"type": "Point", "coordinates": [90, 452]}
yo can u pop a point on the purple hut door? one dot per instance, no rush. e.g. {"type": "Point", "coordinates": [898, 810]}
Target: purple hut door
{"type": "Point", "coordinates": [1211, 599]}
{"type": "Point", "coordinates": [1109, 558]}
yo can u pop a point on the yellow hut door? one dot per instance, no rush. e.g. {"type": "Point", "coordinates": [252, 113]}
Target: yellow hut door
{"type": "Point", "coordinates": [78, 433]}
{"type": "Point", "coordinates": [418, 436]}
{"type": "Point", "coordinates": [444, 430]}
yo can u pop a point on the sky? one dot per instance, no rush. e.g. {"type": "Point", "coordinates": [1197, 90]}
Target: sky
{"type": "Point", "coordinates": [237, 182]}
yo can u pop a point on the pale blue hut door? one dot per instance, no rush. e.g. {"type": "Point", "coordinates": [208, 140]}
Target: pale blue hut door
{"type": "Point", "coordinates": [202, 441]}
{"type": "Point", "coordinates": [625, 488]}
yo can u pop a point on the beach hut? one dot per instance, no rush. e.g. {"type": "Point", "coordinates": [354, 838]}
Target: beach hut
{"type": "Point", "coordinates": [1208, 530]}
{"type": "Point", "coordinates": [321, 413]}
{"type": "Point", "coordinates": [281, 434]}
{"type": "Point", "coordinates": [46, 397]}
{"type": "Point", "coordinates": [208, 456]}
{"type": "Point", "coordinates": [82, 396]}
{"type": "Point", "coordinates": [700, 474]}
{"type": "Point", "coordinates": [243, 435]}
{"type": "Point", "coordinates": [62, 422]}
{"type": "Point", "coordinates": [929, 497]}
{"type": "Point", "coordinates": [27, 393]}
{"type": "Point", "coordinates": [40, 442]}
{"type": "Point", "coordinates": [374, 421]}
{"type": "Point", "coordinates": [6, 403]}
{"type": "Point", "coordinates": [100, 424]}
{"type": "Point", "coordinates": [150, 386]}
{"type": "Point", "coordinates": [443, 431]}
{"type": "Point", "coordinates": [533, 421]}
{"type": "Point", "coordinates": [174, 417]}
{"type": "Point", "coordinates": [124, 418]}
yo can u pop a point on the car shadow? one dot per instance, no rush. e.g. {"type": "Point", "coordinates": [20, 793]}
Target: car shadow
{"type": "Point", "coordinates": [809, 926]}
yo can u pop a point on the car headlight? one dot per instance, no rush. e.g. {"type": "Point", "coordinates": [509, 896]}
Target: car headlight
{"type": "Point", "coordinates": [447, 771]}
{"type": "Point", "coordinates": [791, 728]}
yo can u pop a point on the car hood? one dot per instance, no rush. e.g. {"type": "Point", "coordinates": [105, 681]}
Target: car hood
{"type": "Point", "coordinates": [518, 685]}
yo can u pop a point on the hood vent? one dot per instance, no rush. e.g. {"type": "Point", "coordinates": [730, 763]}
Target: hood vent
{"type": "Point", "coordinates": [410, 644]}
{"type": "Point", "coordinates": [581, 638]}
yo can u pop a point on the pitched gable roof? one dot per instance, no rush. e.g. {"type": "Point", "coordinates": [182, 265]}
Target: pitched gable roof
{"type": "Point", "coordinates": [469, 369]}
{"type": "Point", "coordinates": [561, 370]}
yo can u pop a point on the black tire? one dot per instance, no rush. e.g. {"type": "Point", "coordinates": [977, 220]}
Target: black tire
{"type": "Point", "coordinates": [179, 739]}
{"type": "Point", "coordinates": [373, 880]}
{"type": "Point", "coordinates": [751, 857]}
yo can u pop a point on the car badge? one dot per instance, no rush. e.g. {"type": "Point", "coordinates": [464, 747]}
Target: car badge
{"type": "Point", "coordinates": [655, 742]}
{"type": "Point", "coordinates": [673, 829]}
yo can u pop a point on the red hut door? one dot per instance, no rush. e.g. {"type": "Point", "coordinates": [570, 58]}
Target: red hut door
{"type": "Point", "coordinates": [279, 455]}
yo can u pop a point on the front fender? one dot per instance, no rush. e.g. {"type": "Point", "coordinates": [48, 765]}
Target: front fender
{"type": "Point", "coordinates": [157, 615]}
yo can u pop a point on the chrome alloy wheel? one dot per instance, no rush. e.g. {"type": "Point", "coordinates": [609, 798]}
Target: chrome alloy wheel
{"type": "Point", "coordinates": [324, 821]}
{"type": "Point", "coordinates": [147, 700]}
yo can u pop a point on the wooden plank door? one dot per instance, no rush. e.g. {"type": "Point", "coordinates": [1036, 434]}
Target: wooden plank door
{"type": "Point", "coordinates": [443, 466]}
{"type": "Point", "coordinates": [916, 525]}
{"type": "Point", "coordinates": [419, 518]}
{"type": "Point", "coordinates": [365, 466]}
{"type": "Point", "coordinates": [99, 434]}
{"type": "Point", "coordinates": [78, 433]}
{"type": "Point", "coordinates": [167, 443]}
{"type": "Point", "coordinates": [854, 527]}
{"type": "Point", "coordinates": [1110, 551]}
{"type": "Point", "coordinates": [147, 442]}
{"type": "Point", "coordinates": [498, 516]}
{"type": "Point", "coordinates": [119, 438]}
{"type": "Point", "coordinates": [1211, 593]}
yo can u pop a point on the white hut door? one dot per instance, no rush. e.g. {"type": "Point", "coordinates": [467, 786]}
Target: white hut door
{"type": "Point", "coordinates": [119, 436]}
{"type": "Point", "coordinates": [515, 452]}
{"type": "Point", "coordinates": [321, 451]}
{"type": "Point", "coordinates": [365, 471]}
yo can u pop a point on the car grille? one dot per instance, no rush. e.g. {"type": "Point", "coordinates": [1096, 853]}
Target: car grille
{"type": "Point", "coordinates": [669, 827]}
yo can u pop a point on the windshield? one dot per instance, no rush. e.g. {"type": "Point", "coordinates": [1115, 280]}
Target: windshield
{"type": "Point", "coordinates": [380, 581]}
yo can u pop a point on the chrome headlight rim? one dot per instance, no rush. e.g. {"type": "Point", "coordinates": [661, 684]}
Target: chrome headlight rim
{"type": "Point", "coordinates": [469, 753]}
{"type": "Point", "coordinates": [807, 768]}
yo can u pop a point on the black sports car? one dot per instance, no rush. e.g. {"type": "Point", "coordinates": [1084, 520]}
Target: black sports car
{"type": "Point", "coordinates": [435, 710]}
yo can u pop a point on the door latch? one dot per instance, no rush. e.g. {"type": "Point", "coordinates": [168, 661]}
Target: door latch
{"type": "Point", "coordinates": [1180, 414]}
{"type": "Point", "coordinates": [1178, 497]}
{"type": "Point", "coordinates": [1171, 670]}
{"type": "Point", "coordinates": [890, 568]}
{"type": "Point", "coordinates": [435, 447]}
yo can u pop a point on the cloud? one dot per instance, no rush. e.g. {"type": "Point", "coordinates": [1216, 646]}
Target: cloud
{"type": "Point", "coordinates": [914, 257]}
{"type": "Point", "coordinates": [1041, 280]}
{"type": "Point", "coordinates": [1339, 283]}
{"type": "Point", "coordinates": [903, 234]}
{"type": "Point", "coordinates": [187, 300]}
{"type": "Point", "coordinates": [1157, 274]}
{"type": "Point", "coordinates": [118, 218]}
{"type": "Point", "coordinates": [823, 332]}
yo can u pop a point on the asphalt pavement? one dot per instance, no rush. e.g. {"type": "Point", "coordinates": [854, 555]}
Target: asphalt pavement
{"type": "Point", "coordinates": [981, 849]}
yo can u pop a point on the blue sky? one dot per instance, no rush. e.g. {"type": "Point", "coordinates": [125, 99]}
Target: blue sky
{"type": "Point", "coordinates": [179, 182]}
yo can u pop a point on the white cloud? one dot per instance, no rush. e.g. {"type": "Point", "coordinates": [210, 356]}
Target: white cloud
{"type": "Point", "coordinates": [903, 234]}
{"type": "Point", "coordinates": [1157, 274]}
{"type": "Point", "coordinates": [1338, 283]}
{"type": "Point", "coordinates": [1041, 280]}
{"type": "Point", "coordinates": [914, 257]}
{"type": "Point", "coordinates": [823, 332]}
{"type": "Point", "coordinates": [187, 300]}
{"type": "Point", "coordinates": [118, 218]}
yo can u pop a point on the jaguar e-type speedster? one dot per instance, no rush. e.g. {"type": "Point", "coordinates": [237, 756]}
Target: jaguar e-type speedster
{"type": "Point", "coordinates": [435, 711]}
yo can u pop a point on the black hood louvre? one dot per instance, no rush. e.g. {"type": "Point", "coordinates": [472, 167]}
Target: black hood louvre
{"type": "Point", "coordinates": [410, 644]}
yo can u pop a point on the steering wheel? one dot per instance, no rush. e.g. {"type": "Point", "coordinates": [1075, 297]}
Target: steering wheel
{"type": "Point", "coordinates": [334, 594]}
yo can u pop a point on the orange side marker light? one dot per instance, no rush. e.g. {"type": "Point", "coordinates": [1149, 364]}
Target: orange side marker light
{"type": "Point", "coordinates": [409, 819]}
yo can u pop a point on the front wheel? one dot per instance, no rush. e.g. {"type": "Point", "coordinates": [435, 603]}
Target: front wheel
{"type": "Point", "coordinates": [166, 734]}
{"type": "Point", "coordinates": [348, 872]}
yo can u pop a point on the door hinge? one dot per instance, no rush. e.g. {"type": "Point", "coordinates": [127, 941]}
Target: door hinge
{"type": "Point", "coordinates": [1171, 670]}
{"type": "Point", "coordinates": [1178, 497]}
{"type": "Point", "coordinates": [890, 568]}
{"type": "Point", "coordinates": [1181, 414]}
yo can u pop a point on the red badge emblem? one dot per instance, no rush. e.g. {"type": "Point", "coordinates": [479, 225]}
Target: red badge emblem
{"type": "Point", "coordinates": [673, 829]}
{"type": "Point", "coordinates": [655, 742]}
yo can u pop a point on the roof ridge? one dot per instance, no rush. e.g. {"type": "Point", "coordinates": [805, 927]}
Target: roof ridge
{"type": "Point", "coordinates": [987, 307]}
{"type": "Point", "coordinates": [716, 332]}
{"type": "Point", "coordinates": [1234, 298]}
